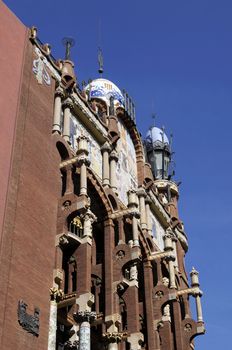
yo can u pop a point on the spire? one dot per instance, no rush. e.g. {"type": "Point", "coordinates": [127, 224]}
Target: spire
{"type": "Point", "coordinates": [100, 62]}
{"type": "Point", "coordinates": [68, 43]}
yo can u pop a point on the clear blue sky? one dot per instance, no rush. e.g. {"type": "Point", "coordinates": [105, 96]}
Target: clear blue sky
{"type": "Point", "coordinates": [177, 56]}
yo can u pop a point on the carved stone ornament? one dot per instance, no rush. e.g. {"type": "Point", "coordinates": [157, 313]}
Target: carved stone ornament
{"type": "Point", "coordinates": [114, 337]}
{"type": "Point", "coordinates": [188, 327]}
{"type": "Point", "coordinates": [84, 316]}
{"type": "Point", "coordinates": [28, 322]}
{"type": "Point", "coordinates": [159, 294]}
{"type": "Point", "coordinates": [120, 255]}
{"type": "Point", "coordinates": [40, 71]}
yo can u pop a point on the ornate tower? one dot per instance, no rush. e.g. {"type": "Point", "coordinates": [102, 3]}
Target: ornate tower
{"type": "Point", "coordinates": [92, 250]}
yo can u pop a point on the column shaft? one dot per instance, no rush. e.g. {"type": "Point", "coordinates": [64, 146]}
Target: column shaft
{"type": "Point", "coordinates": [106, 169]}
{"type": "Point", "coordinates": [152, 338]}
{"type": "Point", "coordinates": [148, 215]}
{"type": "Point", "coordinates": [83, 179]}
{"type": "Point", "coordinates": [199, 309]}
{"type": "Point", "coordinates": [66, 128]}
{"type": "Point", "coordinates": [52, 326]}
{"type": "Point", "coordinates": [85, 340]}
{"type": "Point", "coordinates": [171, 274]}
{"type": "Point", "coordinates": [57, 115]}
{"type": "Point", "coordinates": [135, 231]}
{"type": "Point", "coordinates": [143, 219]}
{"type": "Point", "coordinates": [113, 180]}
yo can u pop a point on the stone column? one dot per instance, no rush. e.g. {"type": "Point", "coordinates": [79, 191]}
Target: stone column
{"type": "Point", "coordinates": [84, 318]}
{"type": "Point", "coordinates": [105, 149]}
{"type": "Point", "coordinates": [83, 162]}
{"type": "Point", "coordinates": [56, 296]}
{"type": "Point", "coordinates": [134, 215]}
{"type": "Point", "coordinates": [148, 215]}
{"type": "Point", "coordinates": [68, 105]}
{"type": "Point", "coordinates": [195, 284]}
{"type": "Point", "coordinates": [143, 219]}
{"type": "Point", "coordinates": [113, 164]}
{"type": "Point", "coordinates": [152, 336]}
{"type": "Point", "coordinates": [59, 94]}
{"type": "Point", "coordinates": [168, 247]}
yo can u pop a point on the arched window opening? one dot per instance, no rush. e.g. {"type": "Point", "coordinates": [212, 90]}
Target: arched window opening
{"type": "Point", "coordinates": [116, 233]}
{"type": "Point", "coordinates": [113, 202]}
{"type": "Point", "coordinates": [62, 151]}
{"type": "Point", "coordinates": [128, 232]}
{"type": "Point", "coordinates": [69, 266]}
{"type": "Point", "coordinates": [98, 236]}
{"type": "Point", "coordinates": [64, 182]}
{"type": "Point", "coordinates": [123, 311]}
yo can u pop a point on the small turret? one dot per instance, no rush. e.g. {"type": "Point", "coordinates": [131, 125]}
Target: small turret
{"type": "Point", "coordinates": [158, 152]}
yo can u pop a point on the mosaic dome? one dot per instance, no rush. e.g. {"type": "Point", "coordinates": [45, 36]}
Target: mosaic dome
{"type": "Point", "coordinates": [156, 135]}
{"type": "Point", "coordinates": [103, 89]}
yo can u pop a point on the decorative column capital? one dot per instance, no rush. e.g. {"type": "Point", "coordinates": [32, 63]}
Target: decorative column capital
{"type": "Point", "coordinates": [84, 316]}
{"type": "Point", "coordinates": [83, 160]}
{"type": "Point", "coordinates": [194, 274]}
{"type": "Point", "coordinates": [68, 103]}
{"type": "Point", "coordinates": [106, 147]}
{"type": "Point", "coordinates": [148, 200]}
{"type": "Point", "coordinates": [114, 337]}
{"type": "Point", "coordinates": [132, 198]}
{"type": "Point", "coordinates": [141, 192]}
{"type": "Point", "coordinates": [56, 294]}
{"type": "Point", "coordinates": [114, 155]}
{"type": "Point", "coordinates": [168, 241]}
{"type": "Point", "coordinates": [82, 144]}
{"type": "Point", "coordinates": [59, 92]}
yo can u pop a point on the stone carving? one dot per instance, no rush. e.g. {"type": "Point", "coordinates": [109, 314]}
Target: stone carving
{"type": "Point", "coordinates": [39, 68]}
{"type": "Point", "coordinates": [63, 240]}
{"type": "Point", "coordinates": [84, 316]}
{"type": "Point", "coordinates": [120, 255]}
{"type": "Point", "coordinates": [159, 294]}
{"type": "Point", "coordinates": [165, 281]}
{"type": "Point", "coordinates": [188, 327]}
{"type": "Point", "coordinates": [133, 273]}
{"type": "Point", "coordinates": [28, 322]}
{"type": "Point", "coordinates": [56, 294]}
{"type": "Point", "coordinates": [114, 337]}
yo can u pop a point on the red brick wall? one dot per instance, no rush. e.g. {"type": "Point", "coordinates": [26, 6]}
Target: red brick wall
{"type": "Point", "coordinates": [31, 170]}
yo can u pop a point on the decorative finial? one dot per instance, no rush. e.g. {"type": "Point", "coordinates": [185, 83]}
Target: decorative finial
{"type": "Point", "coordinates": [100, 61]}
{"type": "Point", "coordinates": [68, 43]}
{"type": "Point", "coordinates": [154, 116]}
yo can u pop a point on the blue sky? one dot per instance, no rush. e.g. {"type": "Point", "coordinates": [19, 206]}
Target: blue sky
{"type": "Point", "coordinates": [174, 58]}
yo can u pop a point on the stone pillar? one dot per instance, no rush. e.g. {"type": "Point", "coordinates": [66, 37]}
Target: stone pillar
{"type": "Point", "coordinates": [68, 105]}
{"type": "Point", "coordinates": [134, 215]}
{"type": "Point", "coordinates": [143, 218]}
{"type": "Point", "coordinates": [168, 247]}
{"type": "Point", "coordinates": [56, 296]}
{"type": "Point", "coordinates": [135, 229]}
{"type": "Point", "coordinates": [148, 215]}
{"type": "Point", "coordinates": [69, 180]}
{"type": "Point", "coordinates": [83, 162]}
{"type": "Point", "coordinates": [84, 318]}
{"type": "Point", "coordinates": [113, 164]}
{"type": "Point", "coordinates": [59, 94]}
{"type": "Point", "coordinates": [195, 284]}
{"type": "Point", "coordinates": [152, 336]}
{"type": "Point", "coordinates": [105, 149]}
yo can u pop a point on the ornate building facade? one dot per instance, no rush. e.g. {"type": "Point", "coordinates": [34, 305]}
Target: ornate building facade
{"type": "Point", "coordinates": [92, 246]}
